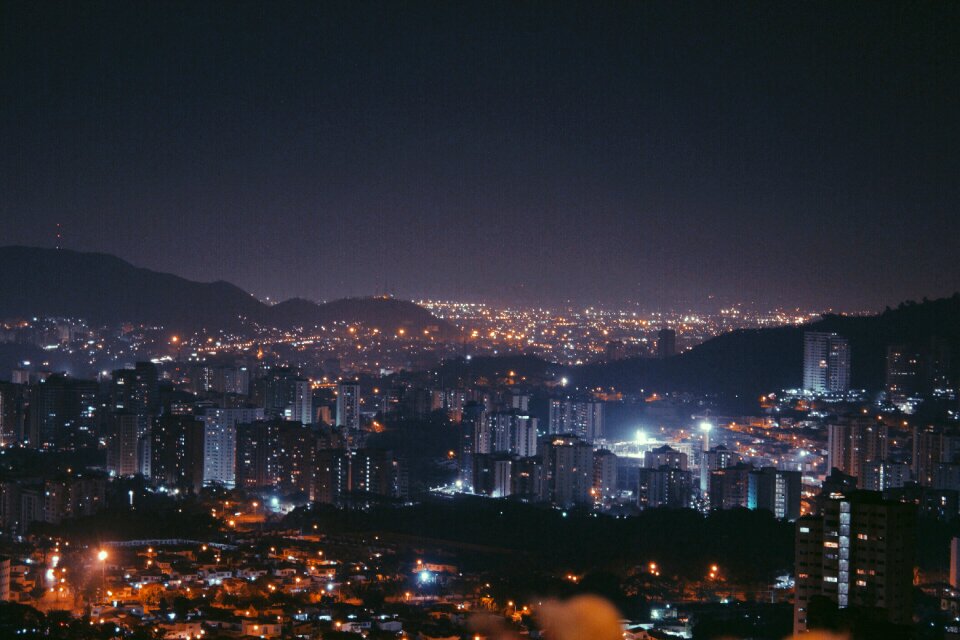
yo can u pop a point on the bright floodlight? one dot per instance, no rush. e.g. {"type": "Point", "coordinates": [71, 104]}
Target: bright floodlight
{"type": "Point", "coordinates": [705, 426]}
{"type": "Point", "coordinates": [102, 555]}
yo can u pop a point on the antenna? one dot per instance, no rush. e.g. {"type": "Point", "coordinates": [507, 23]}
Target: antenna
{"type": "Point", "coordinates": [59, 234]}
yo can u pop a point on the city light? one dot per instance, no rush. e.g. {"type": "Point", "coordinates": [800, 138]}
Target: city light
{"type": "Point", "coordinates": [521, 303]}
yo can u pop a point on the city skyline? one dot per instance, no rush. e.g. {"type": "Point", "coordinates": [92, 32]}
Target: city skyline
{"type": "Point", "coordinates": [479, 320]}
{"type": "Point", "coordinates": [654, 154]}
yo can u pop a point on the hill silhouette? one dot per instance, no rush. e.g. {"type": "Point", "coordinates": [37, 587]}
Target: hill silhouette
{"type": "Point", "coordinates": [104, 289]}
{"type": "Point", "coordinates": [752, 361]}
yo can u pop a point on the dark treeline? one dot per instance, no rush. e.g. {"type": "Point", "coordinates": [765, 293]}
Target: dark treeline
{"type": "Point", "coordinates": [749, 545]}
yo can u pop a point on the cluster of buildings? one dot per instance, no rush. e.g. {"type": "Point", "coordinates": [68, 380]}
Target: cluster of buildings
{"type": "Point", "coordinates": [912, 371]}
{"type": "Point", "coordinates": [272, 437]}
{"type": "Point", "coordinates": [852, 472]}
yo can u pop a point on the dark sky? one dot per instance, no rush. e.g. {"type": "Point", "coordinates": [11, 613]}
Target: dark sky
{"type": "Point", "coordinates": [660, 153]}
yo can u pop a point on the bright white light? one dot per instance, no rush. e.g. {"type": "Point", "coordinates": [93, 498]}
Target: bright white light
{"type": "Point", "coordinates": [424, 576]}
{"type": "Point", "coordinates": [563, 382]}
{"type": "Point", "coordinates": [705, 426]}
{"type": "Point", "coordinates": [641, 436]}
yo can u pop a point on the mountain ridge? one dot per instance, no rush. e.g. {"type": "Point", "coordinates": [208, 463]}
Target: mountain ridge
{"type": "Point", "coordinates": [749, 361]}
{"type": "Point", "coordinates": [105, 289]}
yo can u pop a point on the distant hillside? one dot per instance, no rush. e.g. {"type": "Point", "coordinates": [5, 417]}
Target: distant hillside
{"type": "Point", "coordinates": [759, 360]}
{"type": "Point", "coordinates": [104, 289]}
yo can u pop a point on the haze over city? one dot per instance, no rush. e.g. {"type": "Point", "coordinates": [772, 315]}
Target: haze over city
{"type": "Point", "coordinates": [618, 153]}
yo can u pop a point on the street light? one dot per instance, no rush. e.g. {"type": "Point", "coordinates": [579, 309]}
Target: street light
{"type": "Point", "coordinates": [102, 557]}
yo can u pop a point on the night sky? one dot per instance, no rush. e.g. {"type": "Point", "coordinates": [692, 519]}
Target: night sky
{"type": "Point", "coordinates": [780, 153]}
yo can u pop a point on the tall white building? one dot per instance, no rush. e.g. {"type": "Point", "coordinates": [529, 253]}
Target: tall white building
{"type": "Point", "coordinates": [348, 405]}
{"type": "Point", "coordinates": [826, 362]}
{"type": "Point", "coordinates": [220, 442]}
{"type": "Point", "coordinates": [507, 432]}
{"type": "Point", "coordinates": [301, 405]}
{"type": "Point", "coordinates": [582, 419]}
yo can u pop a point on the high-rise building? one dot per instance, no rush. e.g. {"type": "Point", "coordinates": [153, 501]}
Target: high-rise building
{"type": "Point", "coordinates": [257, 447]}
{"type": "Point", "coordinates": [604, 474]}
{"type": "Point", "coordinates": [348, 405]}
{"type": "Point", "coordinates": [137, 391]}
{"type": "Point", "coordinates": [449, 401]}
{"type": "Point", "coordinates": [329, 476]}
{"type": "Point", "coordinates": [528, 479]}
{"type": "Point", "coordinates": [933, 446]}
{"type": "Point", "coordinates": [301, 402]}
{"type": "Point", "coordinates": [718, 457]}
{"type": "Point", "coordinates": [946, 476]}
{"type": "Point", "coordinates": [880, 475]}
{"type": "Point", "coordinates": [176, 452]}
{"type": "Point", "coordinates": [730, 487]}
{"type": "Point", "coordinates": [220, 441]}
{"type": "Point", "coordinates": [61, 411]}
{"type": "Point", "coordinates": [72, 496]}
{"type": "Point", "coordinates": [859, 553]}
{"type": "Point", "coordinates": [493, 475]}
{"type": "Point", "coordinates": [342, 475]}
{"type": "Point", "coordinates": [665, 456]}
{"type": "Point", "coordinates": [903, 372]}
{"type": "Point", "coordinates": [666, 343]}
{"type": "Point", "coordinates": [509, 432]}
{"type": "Point", "coordinates": [296, 452]}
{"type": "Point", "coordinates": [853, 443]}
{"type": "Point", "coordinates": [56, 499]}
{"type": "Point", "coordinates": [583, 419]}
{"type": "Point", "coordinates": [283, 394]}
{"type": "Point", "coordinates": [124, 445]}
{"type": "Point", "coordinates": [377, 472]}
{"type": "Point", "coordinates": [665, 487]}
{"type": "Point", "coordinates": [917, 369]}
{"type": "Point", "coordinates": [472, 424]}
{"type": "Point", "coordinates": [520, 401]}
{"type": "Point", "coordinates": [776, 491]}
{"type": "Point", "coordinates": [826, 362]}
{"type": "Point", "coordinates": [12, 414]}
{"type": "Point", "coordinates": [568, 467]}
